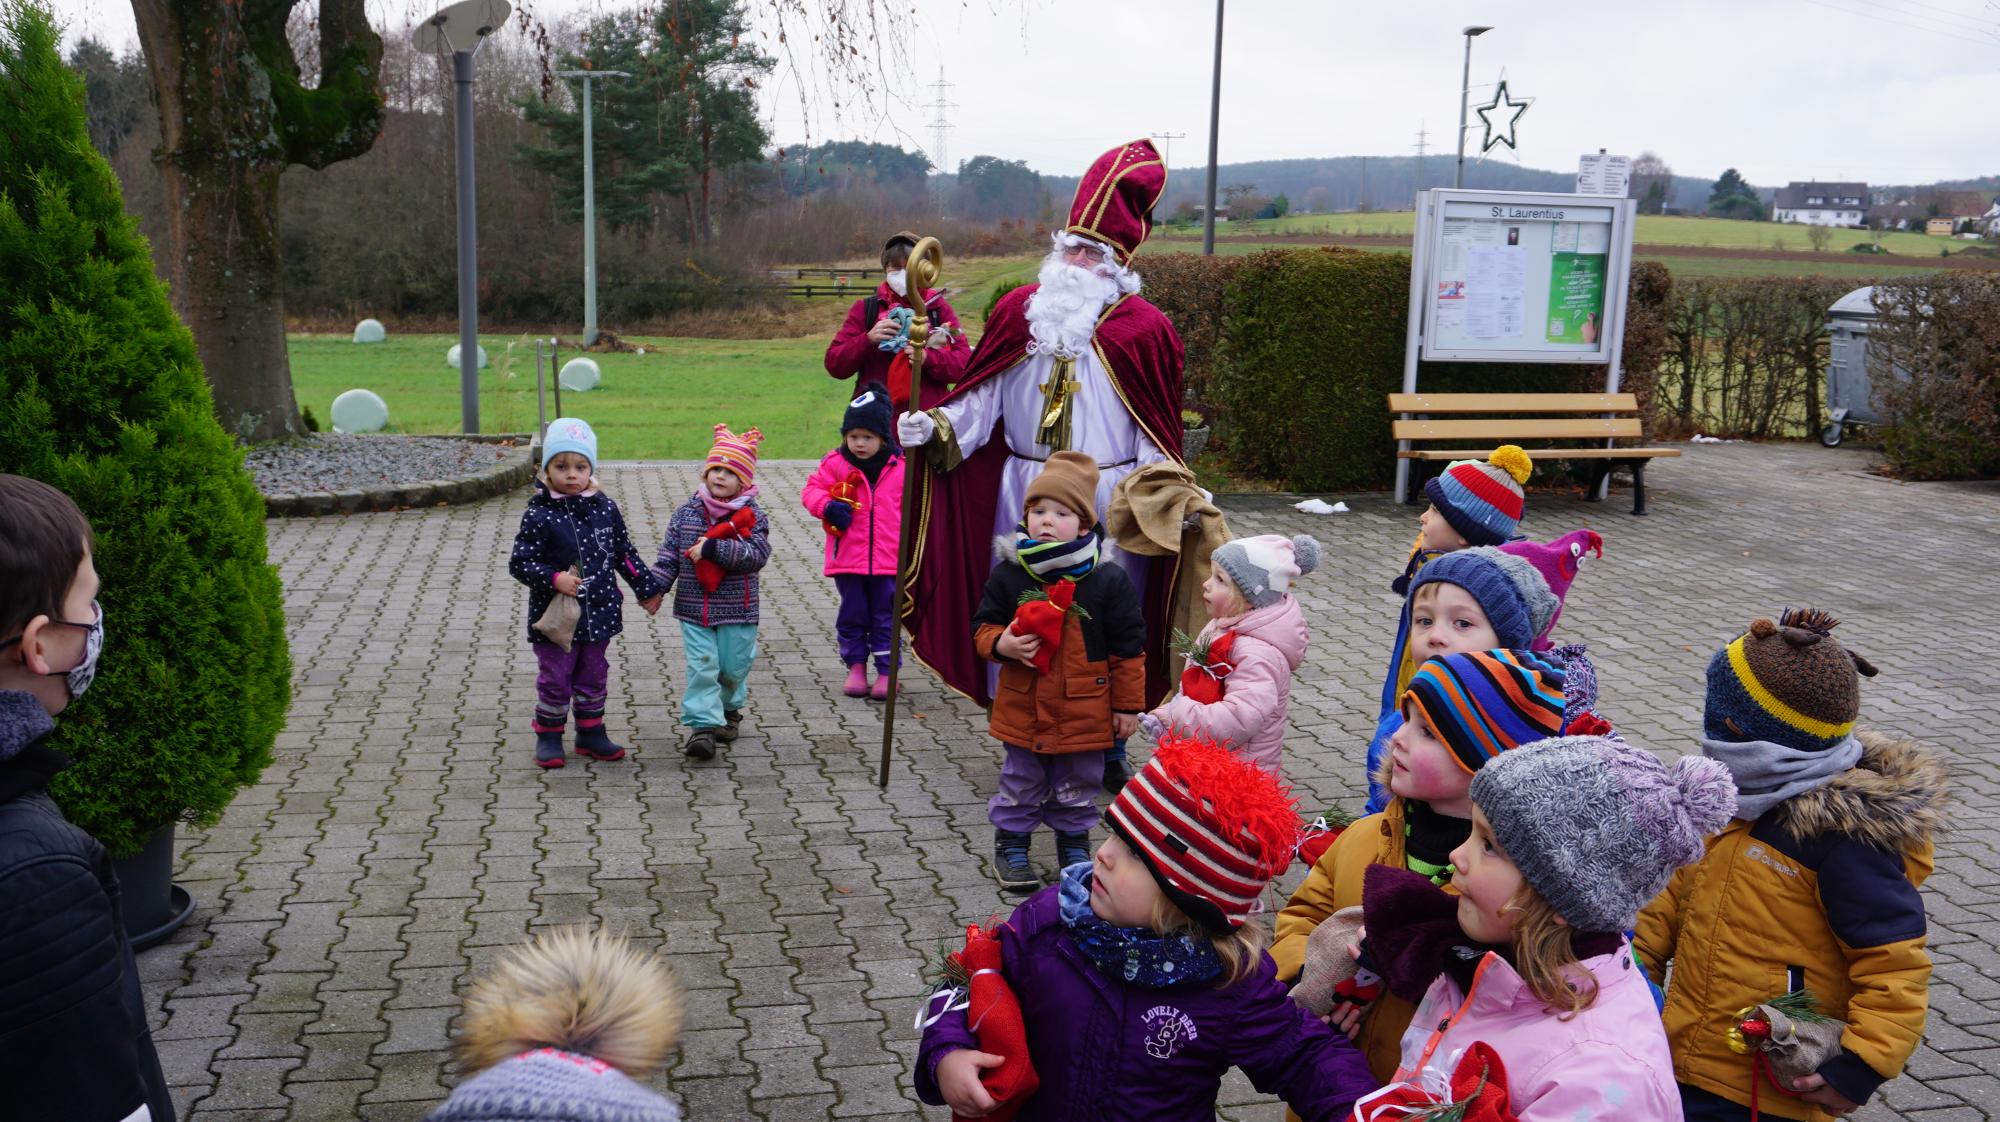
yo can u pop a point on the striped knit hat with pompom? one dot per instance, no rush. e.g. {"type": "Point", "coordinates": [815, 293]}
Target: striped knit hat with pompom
{"type": "Point", "coordinates": [1212, 828]}
{"type": "Point", "coordinates": [1482, 501]}
{"type": "Point", "coordinates": [737, 453]}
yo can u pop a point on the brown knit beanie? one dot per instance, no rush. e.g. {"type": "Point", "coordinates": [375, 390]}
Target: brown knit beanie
{"type": "Point", "coordinates": [1069, 478]}
{"type": "Point", "coordinates": [1788, 682]}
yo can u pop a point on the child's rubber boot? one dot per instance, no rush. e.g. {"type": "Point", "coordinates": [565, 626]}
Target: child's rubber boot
{"type": "Point", "coordinates": [700, 745]}
{"type": "Point", "coordinates": [1072, 849]}
{"type": "Point", "coordinates": [1115, 771]}
{"type": "Point", "coordinates": [549, 750]}
{"type": "Point", "coordinates": [1010, 863]}
{"type": "Point", "coordinates": [880, 690]}
{"type": "Point", "coordinates": [857, 680]}
{"type": "Point", "coordinates": [594, 742]}
{"type": "Point", "coordinates": [733, 719]}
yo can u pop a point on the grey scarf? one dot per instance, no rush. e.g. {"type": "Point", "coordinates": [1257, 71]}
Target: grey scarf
{"type": "Point", "coordinates": [1767, 774]}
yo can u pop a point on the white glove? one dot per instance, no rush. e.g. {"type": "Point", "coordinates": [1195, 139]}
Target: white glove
{"type": "Point", "coordinates": [913, 429]}
{"type": "Point", "coordinates": [1152, 726]}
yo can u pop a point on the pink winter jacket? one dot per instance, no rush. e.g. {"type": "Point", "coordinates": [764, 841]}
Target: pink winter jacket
{"type": "Point", "coordinates": [1609, 1062]}
{"type": "Point", "coordinates": [869, 546]}
{"type": "Point", "coordinates": [1270, 643]}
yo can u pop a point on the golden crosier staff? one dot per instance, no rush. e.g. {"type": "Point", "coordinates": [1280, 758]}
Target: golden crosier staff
{"type": "Point", "coordinates": [926, 265]}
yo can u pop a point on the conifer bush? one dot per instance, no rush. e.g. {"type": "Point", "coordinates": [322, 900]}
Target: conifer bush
{"type": "Point", "coordinates": [102, 396]}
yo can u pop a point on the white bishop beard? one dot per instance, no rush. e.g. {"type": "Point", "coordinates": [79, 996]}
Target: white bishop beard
{"type": "Point", "coordinates": [1062, 314]}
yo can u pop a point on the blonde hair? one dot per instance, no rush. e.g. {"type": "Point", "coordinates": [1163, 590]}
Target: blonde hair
{"type": "Point", "coordinates": [1240, 950]}
{"type": "Point", "coordinates": [1426, 592]}
{"type": "Point", "coordinates": [1545, 957]}
{"type": "Point", "coordinates": [579, 989]}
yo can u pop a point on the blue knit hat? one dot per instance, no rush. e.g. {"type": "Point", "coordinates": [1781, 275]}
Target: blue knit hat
{"type": "Point", "coordinates": [1515, 598]}
{"type": "Point", "coordinates": [569, 434]}
{"type": "Point", "coordinates": [1482, 499]}
{"type": "Point", "coordinates": [870, 413]}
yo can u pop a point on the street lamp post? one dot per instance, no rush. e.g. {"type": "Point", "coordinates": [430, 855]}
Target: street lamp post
{"type": "Point", "coordinates": [589, 203]}
{"type": "Point", "coordinates": [1214, 126]}
{"type": "Point", "coordinates": [1464, 95]}
{"type": "Point", "coordinates": [460, 29]}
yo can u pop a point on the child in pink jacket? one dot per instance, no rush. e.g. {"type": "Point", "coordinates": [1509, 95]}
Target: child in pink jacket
{"type": "Point", "coordinates": [1570, 838]}
{"type": "Point", "coordinates": [1255, 639]}
{"type": "Point", "coordinates": [857, 494]}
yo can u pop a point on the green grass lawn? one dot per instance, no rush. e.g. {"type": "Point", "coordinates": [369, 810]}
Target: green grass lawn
{"type": "Point", "coordinates": [659, 405]}
{"type": "Point", "coordinates": [1652, 229]}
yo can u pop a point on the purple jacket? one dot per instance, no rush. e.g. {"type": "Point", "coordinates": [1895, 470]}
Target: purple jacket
{"type": "Point", "coordinates": [1110, 1052]}
{"type": "Point", "coordinates": [735, 599]}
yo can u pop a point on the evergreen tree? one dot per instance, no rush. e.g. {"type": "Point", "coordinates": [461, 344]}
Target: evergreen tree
{"type": "Point", "coordinates": [687, 110]}
{"type": "Point", "coordinates": [1732, 197]}
{"type": "Point", "coordinates": [101, 395]}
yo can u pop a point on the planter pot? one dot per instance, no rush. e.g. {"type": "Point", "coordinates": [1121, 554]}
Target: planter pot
{"type": "Point", "coordinates": [1193, 441]}
{"type": "Point", "coordinates": [153, 904]}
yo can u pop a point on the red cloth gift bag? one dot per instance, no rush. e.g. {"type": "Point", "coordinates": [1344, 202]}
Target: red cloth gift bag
{"type": "Point", "coordinates": [740, 524]}
{"type": "Point", "coordinates": [1042, 616]}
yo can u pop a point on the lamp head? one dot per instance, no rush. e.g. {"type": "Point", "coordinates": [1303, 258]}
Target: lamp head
{"type": "Point", "coordinates": [1476, 29]}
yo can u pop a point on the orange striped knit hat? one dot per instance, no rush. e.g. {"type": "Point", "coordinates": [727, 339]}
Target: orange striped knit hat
{"type": "Point", "coordinates": [1212, 827]}
{"type": "Point", "coordinates": [737, 453]}
{"type": "Point", "coordinates": [1481, 703]}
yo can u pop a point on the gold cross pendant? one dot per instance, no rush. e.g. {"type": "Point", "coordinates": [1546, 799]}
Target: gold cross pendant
{"type": "Point", "coordinates": [1054, 431]}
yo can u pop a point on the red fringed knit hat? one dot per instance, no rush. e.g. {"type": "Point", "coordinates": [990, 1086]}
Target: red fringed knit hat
{"type": "Point", "coordinates": [1213, 828]}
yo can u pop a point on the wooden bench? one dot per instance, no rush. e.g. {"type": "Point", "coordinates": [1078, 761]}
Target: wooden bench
{"type": "Point", "coordinates": [1492, 418]}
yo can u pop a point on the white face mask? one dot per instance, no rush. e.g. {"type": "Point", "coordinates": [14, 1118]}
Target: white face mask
{"type": "Point", "coordinates": [899, 281]}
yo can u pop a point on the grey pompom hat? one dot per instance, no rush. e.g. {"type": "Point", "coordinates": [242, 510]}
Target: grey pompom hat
{"type": "Point", "coordinates": [1264, 567]}
{"type": "Point", "coordinates": [1597, 826]}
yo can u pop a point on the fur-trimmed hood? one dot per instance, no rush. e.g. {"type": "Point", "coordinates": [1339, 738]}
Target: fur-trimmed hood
{"type": "Point", "coordinates": [1892, 799]}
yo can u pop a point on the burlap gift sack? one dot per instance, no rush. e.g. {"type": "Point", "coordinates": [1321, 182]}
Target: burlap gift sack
{"type": "Point", "coordinates": [559, 619]}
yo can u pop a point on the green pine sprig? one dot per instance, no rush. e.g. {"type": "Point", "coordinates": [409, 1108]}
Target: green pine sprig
{"type": "Point", "coordinates": [1801, 1006]}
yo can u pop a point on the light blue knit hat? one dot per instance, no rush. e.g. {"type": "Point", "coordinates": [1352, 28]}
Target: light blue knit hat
{"type": "Point", "coordinates": [569, 434]}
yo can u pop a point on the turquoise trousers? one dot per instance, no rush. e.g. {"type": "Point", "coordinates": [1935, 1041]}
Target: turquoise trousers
{"type": "Point", "coordinates": [718, 678]}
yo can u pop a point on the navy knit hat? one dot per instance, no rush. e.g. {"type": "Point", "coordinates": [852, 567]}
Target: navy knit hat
{"type": "Point", "coordinates": [869, 412]}
{"type": "Point", "coordinates": [1515, 598]}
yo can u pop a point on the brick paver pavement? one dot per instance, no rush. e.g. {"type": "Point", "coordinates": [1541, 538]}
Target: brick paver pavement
{"type": "Point", "coordinates": [402, 836]}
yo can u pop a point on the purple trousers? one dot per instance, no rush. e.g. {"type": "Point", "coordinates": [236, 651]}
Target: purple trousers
{"type": "Point", "coordinates": [576, 678]}
{"type": "Point", "coordinates": [864, 620]}
{"type": "Point", "coordinates": [1037, 789]}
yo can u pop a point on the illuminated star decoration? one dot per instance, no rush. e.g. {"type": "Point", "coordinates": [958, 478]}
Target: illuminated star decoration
{"type": "Point", "coordinates": [1500, 98]}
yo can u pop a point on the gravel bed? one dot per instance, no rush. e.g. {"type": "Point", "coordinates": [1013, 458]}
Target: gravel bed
{"type": "Point", "coordinates": [341, 462]}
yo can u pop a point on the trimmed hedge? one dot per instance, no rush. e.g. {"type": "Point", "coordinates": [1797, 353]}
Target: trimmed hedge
{"type": "Point", "coordinates": [1193, 291]}
{"type": "Point", "coordinates": [101, 395]}
{"type": "Point", "coordinates": [1312, 343]}
{"type": "Point", "coordinates": [1934, 367]}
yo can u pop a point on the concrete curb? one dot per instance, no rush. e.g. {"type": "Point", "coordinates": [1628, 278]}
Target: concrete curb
{"type": "Point", "coordinates": [505, 476]}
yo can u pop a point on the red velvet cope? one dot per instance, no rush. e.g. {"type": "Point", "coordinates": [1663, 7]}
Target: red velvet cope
{"type": "Point", "coordinates": [1043, 619]}
{"type": "Point", "coordinates": [741, 524]}
{"type": "Point", "coordinates": [995, 1016]}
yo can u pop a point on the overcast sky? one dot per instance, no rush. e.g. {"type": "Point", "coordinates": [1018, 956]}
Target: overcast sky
{"type": "Point", "coordinates": [1888, 91]}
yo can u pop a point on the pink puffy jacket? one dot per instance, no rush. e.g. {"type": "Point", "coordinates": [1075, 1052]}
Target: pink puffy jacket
{"type": "Point", "coordinates": [1270, 643]}
{"type": "Point", "coordinates": [1609, 1062]}
{"type": "Point", "coordinates": [869, 546]}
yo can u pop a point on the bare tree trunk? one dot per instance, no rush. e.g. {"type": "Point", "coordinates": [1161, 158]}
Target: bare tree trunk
{"type": "Point", "coordinates": [233, 115]}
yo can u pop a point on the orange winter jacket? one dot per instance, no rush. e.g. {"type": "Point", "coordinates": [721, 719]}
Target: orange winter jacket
{"type": "Point", "coordinates": [1820, 893]}
{"type": "Point", "coordinates": [1100, 666]}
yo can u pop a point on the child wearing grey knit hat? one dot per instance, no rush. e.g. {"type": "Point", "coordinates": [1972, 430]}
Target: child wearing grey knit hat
{"type": "Point", "coordinates": [1238, 679]}
{"type": "Point", "coordinates": [1570, 838]}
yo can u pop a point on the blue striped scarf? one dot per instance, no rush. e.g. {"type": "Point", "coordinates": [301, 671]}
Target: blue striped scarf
{"type": "Point", "coordinates": [1049, 562]}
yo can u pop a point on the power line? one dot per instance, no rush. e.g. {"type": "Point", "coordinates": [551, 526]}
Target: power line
{"type": "Point", "coordinates": [1166, 140]}
{"type": "Point", "coordinates": [1904, 23]}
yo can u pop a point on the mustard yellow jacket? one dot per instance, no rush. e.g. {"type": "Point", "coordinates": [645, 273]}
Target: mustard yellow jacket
{"type": "Point", "coordinates": [1333, 884]}
{"type": "Point", "coordinates": [1820, 893]}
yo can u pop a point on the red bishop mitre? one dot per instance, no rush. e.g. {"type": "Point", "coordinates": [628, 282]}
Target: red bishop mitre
{"type": "Point", "coordinates": [1114, 203]}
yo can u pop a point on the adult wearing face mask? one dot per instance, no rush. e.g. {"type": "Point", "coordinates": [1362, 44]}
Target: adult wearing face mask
{"type": "Point", "coordinates": [871, 323]}
{"type": "Point", "coordinates": [74, 1044]}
